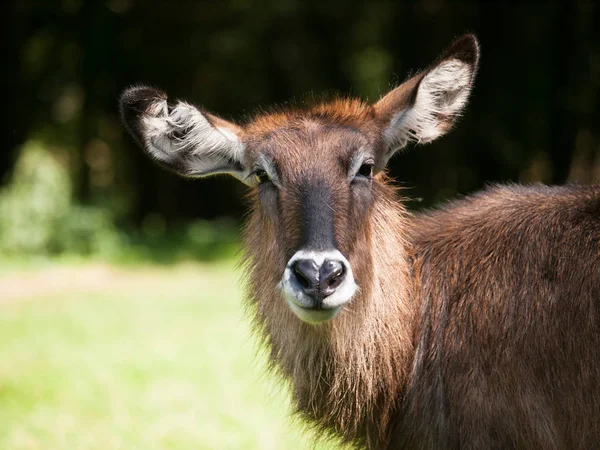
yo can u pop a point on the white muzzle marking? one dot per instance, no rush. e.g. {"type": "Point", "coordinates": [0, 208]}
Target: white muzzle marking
{"type": "Point", "coordinates": [302, 304]}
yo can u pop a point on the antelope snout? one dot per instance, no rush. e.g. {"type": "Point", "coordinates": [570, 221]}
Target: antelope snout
{"type": "Point", "coordinates": [317, 284]}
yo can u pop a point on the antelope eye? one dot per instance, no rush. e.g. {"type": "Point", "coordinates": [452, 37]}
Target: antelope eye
{"type": "Point", "coordinates": [365, 171]}
{"type": "Point", "coordinates": [262, 177]}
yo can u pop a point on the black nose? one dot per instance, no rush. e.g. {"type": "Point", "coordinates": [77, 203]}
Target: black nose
{"type": "Point", "coordinates": [319, 282]}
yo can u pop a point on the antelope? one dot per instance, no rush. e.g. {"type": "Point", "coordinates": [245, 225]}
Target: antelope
{"type": "Point", "coordinates": [474, 325]}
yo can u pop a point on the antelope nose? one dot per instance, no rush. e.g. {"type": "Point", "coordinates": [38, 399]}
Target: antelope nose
{"type": "Point", "coordinates": [319, 282]}
{"type": "Point", "coordinates": [307, 274]}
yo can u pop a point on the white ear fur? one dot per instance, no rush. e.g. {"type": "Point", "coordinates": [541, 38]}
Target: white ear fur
{"type": "Point", "coordinates": [184, 140]}
{"type": "Point", "coordinates": [441, 97]}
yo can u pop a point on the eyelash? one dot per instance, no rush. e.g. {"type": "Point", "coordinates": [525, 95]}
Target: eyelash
{"type": "Point", "coordinates": [262, 177]}
{"type": "Point", "coordinates": [365, 171]}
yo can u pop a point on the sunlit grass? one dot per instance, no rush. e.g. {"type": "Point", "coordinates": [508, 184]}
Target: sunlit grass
{"type": "Point", "coordinates": [154, 358]}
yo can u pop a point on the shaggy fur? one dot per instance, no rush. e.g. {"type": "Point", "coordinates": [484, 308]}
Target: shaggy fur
{"type": "Point", "coordinates": [475, 326]}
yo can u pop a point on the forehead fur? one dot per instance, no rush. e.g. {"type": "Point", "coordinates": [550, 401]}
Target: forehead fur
{"type": "Point", "coordinates": [345, 112]}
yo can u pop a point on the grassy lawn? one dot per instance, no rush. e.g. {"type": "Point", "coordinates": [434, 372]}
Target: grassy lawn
{"type": "Point", "coordinates": [101, 357]}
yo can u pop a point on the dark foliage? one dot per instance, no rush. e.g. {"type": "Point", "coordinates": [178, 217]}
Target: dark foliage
{"type": "Point", "coordinates": [533, 114]}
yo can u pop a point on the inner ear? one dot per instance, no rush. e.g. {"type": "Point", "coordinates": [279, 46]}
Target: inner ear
{"type": "Point", "coordinates": [183, 137]}
{"type": "Point", "coordinates": [427, 105]}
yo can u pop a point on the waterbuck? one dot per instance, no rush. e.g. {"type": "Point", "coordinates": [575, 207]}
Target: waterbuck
{"type": "Point", "coordinates": [476, 325]}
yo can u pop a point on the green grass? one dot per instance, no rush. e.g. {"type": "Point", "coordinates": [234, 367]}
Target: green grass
{"type": "Point", "coordinates": [148, 358]}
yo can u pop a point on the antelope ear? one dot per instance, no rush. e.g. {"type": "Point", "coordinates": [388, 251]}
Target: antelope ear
{"type": "Point", "coordinates": [427, 105]}
{"type": "Point", "coordinates": [181, 137]}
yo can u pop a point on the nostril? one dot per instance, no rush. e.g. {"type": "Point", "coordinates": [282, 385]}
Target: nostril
{"type": "Point", "coordinates": [307, 273]}
{"type": "Point", "coordinates": [337, 278]}
{"type": "Point", "coordinates": [332, 274]}
{"type": "Point", "coordinates": [302, 281]}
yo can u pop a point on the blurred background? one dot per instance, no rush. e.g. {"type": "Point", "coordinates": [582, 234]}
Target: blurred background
{"type": "Point", "coordinates": [119, 321]}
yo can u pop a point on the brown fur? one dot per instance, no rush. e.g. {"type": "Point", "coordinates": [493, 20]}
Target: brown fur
{"type": "Point", "coordinates": [345, 374]}
{"type": "Point", "coordinates": [475, 326]}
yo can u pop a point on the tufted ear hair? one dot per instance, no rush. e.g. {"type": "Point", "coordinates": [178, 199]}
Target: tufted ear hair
{"type": "Point", "coordinates": [427, 105]}
{"type": "Point", "coordinates": [182, 137]}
